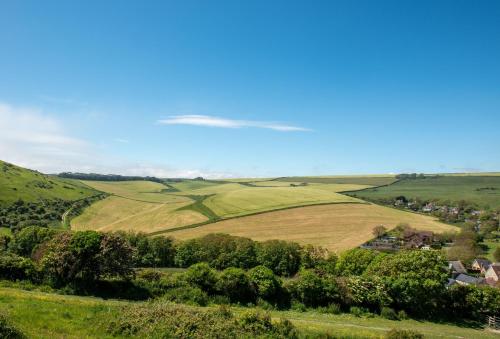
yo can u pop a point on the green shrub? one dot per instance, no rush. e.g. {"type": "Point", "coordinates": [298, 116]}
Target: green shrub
{"type": "Point", "coordinates": [403, 334]}
{"type": "Point", "coordinates": [161, 319]}
{"type": "Point", "coordinates": [187, 295]}
{"type": "Point", "coordinates": [358, 311]}
{"type": "Point", "coordinates": [402, 315]}
{"type": "Point", "coordinates": [388, 313]}
{"type": "Point", "coordinates": [7, 330]}
{"type": "Point", "coordinates": [234, 283]}
{"type": "Point", "coordinates": [330, 309]}
{"type": "Point", "coordinates": [202, 276]}
{"type": "Point", "coordinates": [14, 267]}
{"type": "Point", "coordinates": [298, 306]}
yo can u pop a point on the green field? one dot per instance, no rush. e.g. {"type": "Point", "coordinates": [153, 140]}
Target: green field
{"type": "Point", "coordinates": [481, 190]}
{"type": "Point", "coordinates": [146, 191]}
{"type": "Point", "coordinates": [371, 180]}
{"type": "Point", "coordinates": [20, 183]}
{"type": "Point", "coordinates": [250, 200]}
{"type": "Point", "coordinates": [45, 315]}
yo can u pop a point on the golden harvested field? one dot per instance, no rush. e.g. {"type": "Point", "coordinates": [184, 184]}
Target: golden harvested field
{"type": "Point", "coordinates": [253, 200]}
{"type": "Point", "coordinates": [337, 227]}
{"type": "Point", "coordinates": [116, 213]}
{"type": "Point", "coordinates": [139, 190]}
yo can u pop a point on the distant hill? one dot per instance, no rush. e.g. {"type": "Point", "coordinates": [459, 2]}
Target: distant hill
{"type": "Point", "coordinates": [32, 186]}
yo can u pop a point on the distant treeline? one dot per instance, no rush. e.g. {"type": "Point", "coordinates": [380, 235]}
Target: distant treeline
{"type": "Point", "coordinates": [106, 177]}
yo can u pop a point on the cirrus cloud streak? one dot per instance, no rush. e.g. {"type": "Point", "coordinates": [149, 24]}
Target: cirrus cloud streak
{"type": "Point", "coordinates": [211, 121]}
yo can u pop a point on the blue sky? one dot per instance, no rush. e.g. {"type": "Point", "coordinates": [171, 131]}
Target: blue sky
{"type": "Point", "coordinates": [250, 88]}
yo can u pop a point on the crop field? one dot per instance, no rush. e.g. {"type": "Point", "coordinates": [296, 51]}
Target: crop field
{"type": "Point", "coordinates": [189, 185]}
{"type": "Point", "coordinates": [253, 200]}
{"type": "Point", "coordinates": [147, 191]}
{"type": "Point", "coordinates": [482, 190]}
{"type": "Point", "coordinates": [375, 180]}
{"type": "Point", "coordinates": [20, 183]}
{"type": "Point", "coordinates": [45, 315]}
{"type": "Point", "coordinates": [116, 213]}
{"type": "Point", "coordinates": [337, 227]}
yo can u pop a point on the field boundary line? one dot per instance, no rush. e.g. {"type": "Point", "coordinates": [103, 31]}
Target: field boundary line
{"type": "Point", "coordinates": [174, 229]}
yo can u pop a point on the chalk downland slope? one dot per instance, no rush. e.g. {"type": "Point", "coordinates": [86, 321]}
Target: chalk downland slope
{"type": "Point", "coordinates": [31, 186]}
{"type": "Point", "coordinates": [337, 227]}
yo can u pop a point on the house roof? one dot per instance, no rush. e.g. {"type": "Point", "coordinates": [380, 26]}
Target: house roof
{"type": "Point", "coordinates": [467, 279]}
{"type": "Point", "coordinates": [457, 266]}
{"type": "Point", "coordinates": [483, 262]}
{"type": "Point", "coordinates": [496, 268]}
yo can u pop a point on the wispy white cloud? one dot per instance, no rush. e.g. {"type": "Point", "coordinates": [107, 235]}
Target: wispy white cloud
{"type": "Point", "coordinates": [211, 121]}
{"type": "Point", "coordinates": [31, 138]}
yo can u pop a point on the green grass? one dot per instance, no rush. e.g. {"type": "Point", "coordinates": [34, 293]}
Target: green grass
{"type": "Point", "coordinates": [145, 191]}
{"type": "Point", "coordinates": [491, 247]}
{"type": "Point", "coordinates": [200, 207]}
{"type": "Point", "coordinates": [376, 180]}
{"type": "Point", "coordinates": [45, 315]}
{"type": "Point", "coordinates": [20, 183]}
{"type": "Point", "coordinates": [249, 200]}
{"type": "Point", "coordinates": [482, 190]}
{"type": "Point", "coordinates": [189, 185]}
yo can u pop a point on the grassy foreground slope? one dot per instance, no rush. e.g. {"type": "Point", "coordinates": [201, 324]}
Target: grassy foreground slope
{"type": "Point", "coordinates": [337, 227]}
{"type": "Point", "coordinates": [43, 315]}
{"type": "Point", "coordinates": [479, 189]}
{"type": "Point", "coordinates": [31, 186]}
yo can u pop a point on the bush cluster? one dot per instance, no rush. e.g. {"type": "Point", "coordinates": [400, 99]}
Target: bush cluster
{"type": "Point", "coordinates": [224, 269]}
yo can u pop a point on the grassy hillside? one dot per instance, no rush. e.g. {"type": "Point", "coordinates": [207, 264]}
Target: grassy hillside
{"type": "Point", "coordinates": [482, 190]}
{"type": "Point", "coordinates": [31, 186]}
{"type": "Point", "coordinates": [337, 227]}
{"type": "Point", "coordinates": [44, 315]}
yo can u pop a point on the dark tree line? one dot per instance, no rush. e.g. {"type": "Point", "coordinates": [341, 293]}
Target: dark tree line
{"type": "Point", "coordinates": [226, 269]}
{"type": "Point", "coordinates": [106, 177]}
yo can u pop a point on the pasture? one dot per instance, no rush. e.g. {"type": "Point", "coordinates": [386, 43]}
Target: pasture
{"type": "Point", "coordinates": [482, 190]}
{"type": "Point", "coordinates": [337, 227]}
{"type": "Point", "coordinates": [20, 183]}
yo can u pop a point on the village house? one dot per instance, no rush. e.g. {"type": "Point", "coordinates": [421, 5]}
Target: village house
{"type": "Point", "coordinates": [428, 208]}
{"type": "Point", "coordinates": [464, 279]}
{"type": "Point", "coordinates": [492, 274]}
{"type": "Point", "coordinates": [480, 265]}
{"type": "Point", "coordinates": [417, 239]}
{"type": "Point", "coordinates": [456, 267]}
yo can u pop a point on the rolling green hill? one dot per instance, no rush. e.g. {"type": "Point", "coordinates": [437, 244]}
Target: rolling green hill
{"type": "Point", "coordinates": [32, 186]}
{"type": "Point", "coordinates": [483, 190]}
